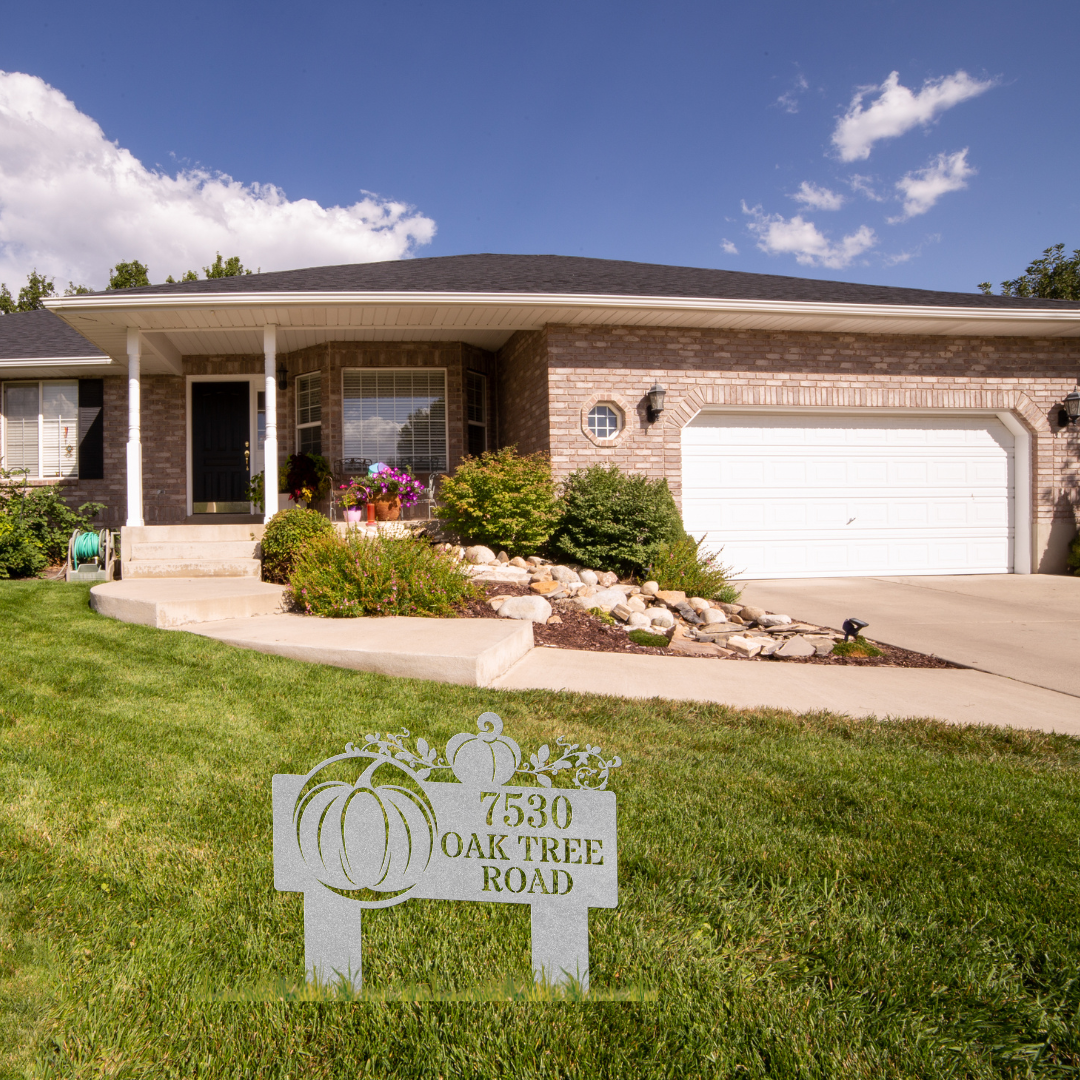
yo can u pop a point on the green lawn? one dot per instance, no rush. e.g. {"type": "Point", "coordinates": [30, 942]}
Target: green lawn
{"type": "Point", "coordinates": [800, 895]}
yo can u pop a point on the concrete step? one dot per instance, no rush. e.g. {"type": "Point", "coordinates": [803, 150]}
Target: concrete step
{"type": "Point", "coordinates": [191, 568]}
{"type": "Point", "coordinates": [174, 602]}
{"type": "Point", "coordinates": [172, 534]}
{"type": "Point", "coordinates": [189, 551]}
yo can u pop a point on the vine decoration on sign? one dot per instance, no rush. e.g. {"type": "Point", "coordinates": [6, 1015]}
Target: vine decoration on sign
{"type": "Point", "coordinates": [491, 757]}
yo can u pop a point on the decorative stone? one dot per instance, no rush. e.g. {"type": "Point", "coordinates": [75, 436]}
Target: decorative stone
{"type": "Point", "coordinates": [607, 579]}
{"type": "Point", "coordinates": [698, 604]}
{"type": "Point", "coordinates": [635, 603]}
{"type": "Point", "coordinates": [527, 608]}
{"type": "Point", "coordinates": [751, 614]}
{"type": "Point", "coordinates": [548, 588]}
{"type": "Point", "coordinates": [555, 620]}
{"type": "Point", "coordinates": [736, 619]}
{"type": "Point", "coordinates": [688, 613]}
{"type": "Point", "coordinates": [683, 647]}
{"type": "Point", "coordinates": [535, 560]}
{"type": "Point", "coordinates": [564, 574]}
{"type": "Point", "coordinates": [671, 597]}
{"type": "Point", "coordinates": [744, 646]}
{"type": "Point", "coordinates": [768, 648]}
{"type": "Point", "coordinates": [650, 588]}
{"type": "Point", "coordinates": [795, 647]}
{"type": "Point", "coordinates": [661, 618]}
{"type": "Point", "coordinates": [730, 609]}
{"type": "Point", "coordinates": [718, 627]}
{"type": "Point", "coordinates": [479, 555]}
{"type": "Point", "coordinates": [637, 619]}
{"type": "Point", "coordinates": [712, 615]}
{"type": "Point", "coordinates": [496, 602]}
{"type": "Point", "coordinates": [774, 620]}
{"type": "Point", "coordinates": [621, 612]}
{"type": "Point", "coordinates": [607, 598]}
{"type": "Point", "coordinates": [542, 574]}
{"type": "Point", "coordinates": [517, 560]}
{"type": "Point", "coordinates": [586, 590]}
{"type": "Point", "coordinates": [503, 557]}
{"type": "Point", "coordinates": [589, 577]}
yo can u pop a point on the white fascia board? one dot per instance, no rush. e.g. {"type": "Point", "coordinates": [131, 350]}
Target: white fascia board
{"type": "Point", "coordinates": [881, 314]}
{"type": "Point", "coordinates": [58, 361]}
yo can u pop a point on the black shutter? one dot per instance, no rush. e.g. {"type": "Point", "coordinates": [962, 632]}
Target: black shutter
{"type": "Point", "coordinates": [91, 429]}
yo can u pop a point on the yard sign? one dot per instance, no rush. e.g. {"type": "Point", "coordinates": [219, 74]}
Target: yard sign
{"type": "Point", "coordinates": [386, 833]}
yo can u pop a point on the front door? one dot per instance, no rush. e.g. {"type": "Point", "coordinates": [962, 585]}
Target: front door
{"type": "Point", "coordinates": [220, 447]}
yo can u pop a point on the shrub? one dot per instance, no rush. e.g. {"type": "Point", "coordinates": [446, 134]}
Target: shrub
{"type": "Point", "coordinates": [21, 555]}
{"type": "Point", "coordinates": [681, 564]}
{"type": "Point", "coordinates": [647, 637]}
{"type": "Point", "coordinates": [502, 498]}
{"type": "Point", "coordinates": [1073, 560]}
{"type": "Point", "coordinates": [369, 575]}
{"type": "Point", "coordinates": [859, 647]}
{"type": "Point", "coordinates": [615, 521]}
{"type": "Point", "coordinates": [43, 514]}
{"type": "Point", "coordinates": [307, 477]}
{"type": "Point", "coordinates": [286, 534]}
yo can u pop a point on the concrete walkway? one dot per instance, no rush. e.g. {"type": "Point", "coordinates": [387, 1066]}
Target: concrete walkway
{"type": "Point", "coordinates": [1026, 627]}
{"type": "Point", "coordinates": [963, 697]}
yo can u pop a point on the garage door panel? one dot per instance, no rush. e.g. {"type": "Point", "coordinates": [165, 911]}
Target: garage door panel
{"type": "Point", "coordinates": [784, 494]}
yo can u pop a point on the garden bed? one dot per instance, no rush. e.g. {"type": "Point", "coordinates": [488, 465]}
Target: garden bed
{"type": "Point", "coordinates": [585, 631]}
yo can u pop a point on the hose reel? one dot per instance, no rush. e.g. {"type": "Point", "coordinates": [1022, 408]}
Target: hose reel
{"type": "Point", "coordinates": [90, 555]}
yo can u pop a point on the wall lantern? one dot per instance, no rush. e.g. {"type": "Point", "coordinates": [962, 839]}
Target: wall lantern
{"type": "Point", "coordinates": [283, 377]}
{"type": "Point", "coordinates": [1071, 413]}
{"type": "Point", "coordinates": [656, 403]}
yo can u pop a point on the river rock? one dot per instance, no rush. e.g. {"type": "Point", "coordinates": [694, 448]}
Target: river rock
{"type": "Point", "coordinates": [712, 615]}
{"type": "Point", "coordinates": [638, 620]}
{"type": "Point", "coordinates": [527, 608]}
{"type": "Point", "coordinates": [774, 620]}
{"type": "Point", "coordinates": [503, 557]}
{"type": "Point", "coordinates": [555, 620]}
{"type": "Point", "coordinates": [548, 588]}
{"type": "Point", "coordinates": [589, 577]}
{"type": "Point", "coordinates": [607, 579]}
{"type": "Point", "coordinates": [751, 614]}
{"type": "Point", "coordinates": [730, 609]}
{"type": "Point", "coordinates": [661, 618]}
{"type": "Point", "coordinates": [650, 588]}
{"type": "Point", "coordinates": [698, 604]}
{"type": "Point", "coordinates": [635, 603]}
{"type": "Point", "coordinates": [479, 555]}
{"type": "Point", "coordinates": [688, 613]}
{"type": "Point", "coordinates": [518, 561]}
{"type": "Point", "coordinates": [671, 597]}
{"type": "Point", "coordinates": [564, 574]}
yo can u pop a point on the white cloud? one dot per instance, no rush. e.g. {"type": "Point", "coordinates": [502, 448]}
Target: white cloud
{"type": "Point", "coordinates": [923, 187]}
{"type": "Point", "coordinates": [817, 198]}
{"type": "Point", "coordinates": [72, 204]}
{"type": "Point", "coordinates": [789, 101]}
{"type": "Point", "coordinates": [728, 247]}
{"type": "Point", "coordinates": [897, 110]}
{"type": "Point", "coordinates": [795, 236]}
{"type": "Point", "coordinates": [864, 185]}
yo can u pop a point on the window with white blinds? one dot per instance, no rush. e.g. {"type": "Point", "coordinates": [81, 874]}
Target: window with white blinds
{"type": "Point", "coordinates": [41, 429]}
{"type": "Point", "coordinates": [396, 416]}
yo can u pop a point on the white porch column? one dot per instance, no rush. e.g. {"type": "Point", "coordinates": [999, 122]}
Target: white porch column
{"type": "Point", "coordinates": [270, 446]}
{"type": "Point", "coordinates": [134, 443]}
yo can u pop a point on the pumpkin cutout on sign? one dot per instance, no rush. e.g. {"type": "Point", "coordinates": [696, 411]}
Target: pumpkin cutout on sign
{"type": "Point", "coordinates": [489, 757]}
{"type": "Point", "coordinates": [365, 835]}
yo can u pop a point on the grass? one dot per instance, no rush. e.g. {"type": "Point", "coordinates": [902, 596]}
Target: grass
{"type": "Point", "coordinates": [859, 647]}
{"type": "Point", "coordinates": [800, 896]}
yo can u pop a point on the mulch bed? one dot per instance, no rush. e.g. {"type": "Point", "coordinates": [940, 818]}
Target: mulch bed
{"type": "Point", "coordinates": [580, 630]}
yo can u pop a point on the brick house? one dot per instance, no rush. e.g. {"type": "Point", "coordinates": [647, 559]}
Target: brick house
{"type": "Point", "coordinates": [808, 427]}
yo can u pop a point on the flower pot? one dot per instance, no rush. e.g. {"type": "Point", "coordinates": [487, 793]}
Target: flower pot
{"type": "Point", "coordinates": [354, 514]}
{"type": "Point", "coordinates": [387, 509]}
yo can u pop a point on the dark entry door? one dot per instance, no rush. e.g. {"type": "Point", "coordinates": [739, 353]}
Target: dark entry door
{"type": "Point", "coordinates": [220, 447]}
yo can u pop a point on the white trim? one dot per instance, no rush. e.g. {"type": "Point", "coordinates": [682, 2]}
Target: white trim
{"type": "Point", "coordinates": [60, 361]}
{"type": "Point", "coordinates": [446, 400]}
{"type": "Point", "coordinates": [253, 382]}
{"type": "Point", "coordinates": [1023, 553]}
{"type": "Point", "coordinates": [133, 449]}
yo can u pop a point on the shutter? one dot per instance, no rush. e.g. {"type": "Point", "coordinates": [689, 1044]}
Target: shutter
{"type": "Point", "coordinates": [91, 429]}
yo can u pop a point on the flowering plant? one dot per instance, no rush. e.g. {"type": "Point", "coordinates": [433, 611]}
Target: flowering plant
{"type": "Point", "coordinates": [389, 483]}
{"type": "Point", "coordinates": [354, 493]}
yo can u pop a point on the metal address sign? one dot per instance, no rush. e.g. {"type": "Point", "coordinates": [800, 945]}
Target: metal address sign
{"type": "Point", "coordinates": [368, 829]}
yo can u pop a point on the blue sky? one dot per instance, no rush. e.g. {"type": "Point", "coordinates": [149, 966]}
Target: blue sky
{"type": "Point", "coordinates": [677, 133]}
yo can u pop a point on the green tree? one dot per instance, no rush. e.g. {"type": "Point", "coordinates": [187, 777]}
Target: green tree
{"type": "Point", "coordinates": [76, 290]}
{"type": "Point", "coordinates": [128, 275]}
{"type": "Point", "coordinates": [225, 268]}
{"type": "Point", "coordinates": [37, 287]}
{"type": "Point", "coordinates": [189, 275]}
{"type": "Point", "coordinates": [1053, 277]}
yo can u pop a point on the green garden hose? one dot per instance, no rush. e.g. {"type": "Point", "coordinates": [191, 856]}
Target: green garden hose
{"type": "Point", "coordinates": [87, 546]}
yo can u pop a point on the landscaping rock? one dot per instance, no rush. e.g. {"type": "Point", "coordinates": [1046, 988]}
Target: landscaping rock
{"type": "Point", "coordinates": [479, 555]}
{"type": "Point", "coordinates": [650, 588]}
{"type": "Point", "coordinates": [795, 647]}
{"type": "Point", "coordinates": [661, 618]}
{"type": "Point", "coordinates": [517, 560]}
{"type": "Point", "coordinates": [744, 646]}
{"type": "Point", "coordinates": [552, 589]}
{"type": "Point", "coordinates": [729, 609]}
{"type": "Point", "coordinates": [541, 574]}
{"type": "Point", "coordinates": [774, 620]}
{"type": "Point", "coordinates": [555, 620]}
{"type": "Point", "coordinates": [496, 602]}
{"type": "Point", "coordinates": [688, 613]}
{"type": "Point", "coordinates": [586, 590]}
{"type": "Point", "coordinates": [683, 647]}
{"type": "Point", "coordinates": [823, 643]}
{"type": "Point", "coordinates": [527, 608]}
{"type": "Point", "coordinates": [637, 619]}
{"type": "Point", "coordinates": [503, 557]}
{"type": "Point", "coordinates": [671, 597]}
{"type": "Point", "coordinates": [751, 614]}
{"type": "Point", "coordinates": [635, 603]}
{"type": "Point", "coordinates": [604, 599]}
{"type": "Point", "coordinates": [564, 574]}
{"type": "Point", "coordinates": [719, 628]}
{"type": "Point", "coordinates": [535, 560]}
{"type": "Point", "coordinates": [736, 619]}
{"type": "Point", "coordinates": [589, 577]}
{"type": "Point", "coordinates": [768, 647]}
{"type": "Point", "coordinates": [712, 615]}
{"type": "Point", "coordinates": [621, 612]}
{"type": "Point", "coordinates": [699, 604]}
{"type": "Point", "coordinates": [607, 579]}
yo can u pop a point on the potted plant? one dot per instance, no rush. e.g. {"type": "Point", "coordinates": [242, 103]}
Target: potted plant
{"type": "Point", "coordinates": [352, 497]}
{"type": "Point", "coordinates": [308, 478]}
{"type": "Point", "coordinates": [390, 489]}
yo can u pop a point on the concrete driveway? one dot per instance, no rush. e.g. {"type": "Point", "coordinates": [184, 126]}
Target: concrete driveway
{"type": "Point", "coordinates": [1025, 627]}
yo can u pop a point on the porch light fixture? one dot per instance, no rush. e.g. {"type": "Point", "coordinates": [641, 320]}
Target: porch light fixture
{"type": "Point", "coordinates": [283, 377]}
{"type": "Point", "coordinates": [656, 403]}
{"type": "Point", "coordinates": [1071, 413]}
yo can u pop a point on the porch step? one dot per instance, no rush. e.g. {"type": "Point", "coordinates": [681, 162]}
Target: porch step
{"type": "Point", "coordinates": [179, 602]}
{"type": "Point", "coordinates": [191, 551]}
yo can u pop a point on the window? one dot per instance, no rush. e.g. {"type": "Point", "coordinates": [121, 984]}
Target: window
{"type": "Point", "coordinates": [41, 428]}
{"type": "Point", "coordinates": [476, 411]}
{"type": "Point", "coordinates": [604, 421]}
{"type": "Point", "coordinates": [397, 417]}
{"type": "Point", "coordinates": [309, 414]}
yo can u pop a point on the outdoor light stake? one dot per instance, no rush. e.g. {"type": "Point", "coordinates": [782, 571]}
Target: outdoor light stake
{"type": "Point", "coordinates": [852, 627]}
{"type": "Point", "coordinates": [656, 402]}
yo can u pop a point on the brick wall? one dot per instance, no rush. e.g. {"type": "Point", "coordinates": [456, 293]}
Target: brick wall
{"type": "Point", "coordinates": [523, 399]}
{"type": "Point", "coordinates": [698, 368]}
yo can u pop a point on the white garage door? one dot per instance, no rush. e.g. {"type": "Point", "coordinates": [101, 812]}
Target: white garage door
{"type": "Point", "coordinates": [798, 495]}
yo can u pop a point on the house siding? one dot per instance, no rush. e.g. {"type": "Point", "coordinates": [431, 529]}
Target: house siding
{"type": "Point", "coordinates": [523, 392]}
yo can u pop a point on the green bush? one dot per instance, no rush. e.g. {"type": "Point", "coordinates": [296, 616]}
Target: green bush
{"type": "Point", "coordinates": [43, 514]}
{"type": "Point", "coordinates": [647, 637]}
{"type": "Point", "coordinates": [682, 564]}
{"type": "Point", "coordinates": [286, 534]}
{"type": "Point", "coordinates": [21, 555]}
{"type": "Point", "coordinates": [1073, 560]}
{"type": "Point", "coordinates": [503, 499]}
{"type": "Point", "coordinates": [368, 575]}
{"type": "Point", "coordinates": [859, 647]}
{"type": "Point", "coordinates": [615, 521]}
